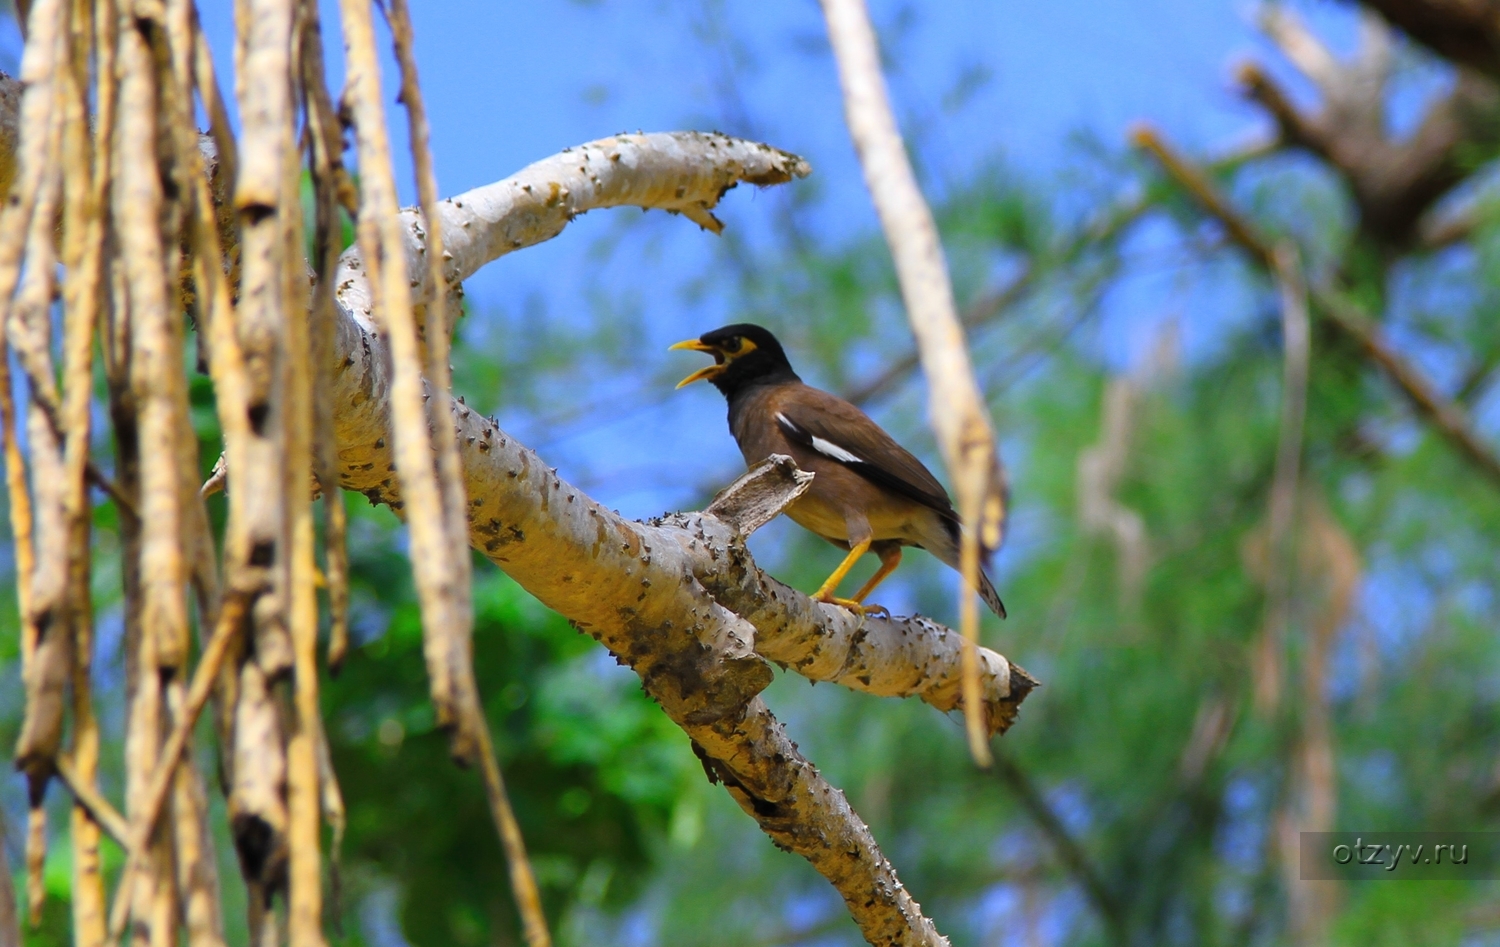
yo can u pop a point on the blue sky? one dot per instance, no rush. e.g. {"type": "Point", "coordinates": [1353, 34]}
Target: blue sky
{"type": "Point", "coordinates": [507, 84]}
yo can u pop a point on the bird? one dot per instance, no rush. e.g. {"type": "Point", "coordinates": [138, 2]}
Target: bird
{"type": "Point", "coordinates": [869, 494]}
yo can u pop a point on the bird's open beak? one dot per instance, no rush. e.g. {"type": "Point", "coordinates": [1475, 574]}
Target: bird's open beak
{"type": "Point", "coordinates": [702, 373]}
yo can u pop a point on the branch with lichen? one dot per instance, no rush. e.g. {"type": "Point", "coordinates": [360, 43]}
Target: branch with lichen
{"type": "Point", "coordinates": [508, 484]}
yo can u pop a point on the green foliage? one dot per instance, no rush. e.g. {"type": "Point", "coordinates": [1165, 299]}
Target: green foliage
{"type": "Point", "coordinates": [593, 768]}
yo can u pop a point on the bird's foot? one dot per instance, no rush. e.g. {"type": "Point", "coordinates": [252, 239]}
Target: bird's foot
{"type": "Point", "coordinates": [857, 607]}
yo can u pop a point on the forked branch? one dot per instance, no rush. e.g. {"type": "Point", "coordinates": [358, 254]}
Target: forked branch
{"type": "Point", "coordinates": [679, 600]}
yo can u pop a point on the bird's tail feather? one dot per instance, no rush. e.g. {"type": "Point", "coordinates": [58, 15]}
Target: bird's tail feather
{"type": "Point", "coordinates": [990, 596]}
{"type": "Point", "coordinates": [948, 552]}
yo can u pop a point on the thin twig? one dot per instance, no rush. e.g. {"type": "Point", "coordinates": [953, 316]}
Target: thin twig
{"type": "Point", "coordinates": [332, 799]}
{"type": "Point", "coordinates": [956, 407]}
{"type": "Point", "coordinates": [21, 523]}
{"type": "Point", "coordinates": [137, 836]}
{"type": "Point", "coordinates": [89, 796]}
{"type": "Point", "coordinates": [304, 787]}
{"type": "Point", "coordinates": [440, 562]}
{"type": "Point", "coordinates": [324, 145]}
{"type": "Point", "coordinates": [522, 880]}
{"type": "Point", "coordinates": [112, 490]}
{"type": "Point", "coordinates": [437, 328]}
{"type": "Point", "coordinates": [86, 193]}
{"type": "Point", "coordinates": [1281, 559]}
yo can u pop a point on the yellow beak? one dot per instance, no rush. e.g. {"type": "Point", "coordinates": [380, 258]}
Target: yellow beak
{"type": "Point", "coordinates": [702, 373]}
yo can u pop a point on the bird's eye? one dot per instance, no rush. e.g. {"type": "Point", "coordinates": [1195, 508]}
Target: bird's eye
{"type": "Point", "coordinates": [733, 344]}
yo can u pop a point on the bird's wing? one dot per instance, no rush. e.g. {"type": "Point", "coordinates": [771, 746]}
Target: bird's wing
{"type": "Point", "coordinates": [839, 431]}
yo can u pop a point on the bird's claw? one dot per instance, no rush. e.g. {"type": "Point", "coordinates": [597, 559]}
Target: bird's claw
{"type": "Point", "coordinates": [858, 608]}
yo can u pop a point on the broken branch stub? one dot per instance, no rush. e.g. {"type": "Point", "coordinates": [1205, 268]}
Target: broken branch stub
{"type": "Point", "coordinates": [761, 494]}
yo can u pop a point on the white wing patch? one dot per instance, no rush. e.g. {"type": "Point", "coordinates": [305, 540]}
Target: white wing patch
{"type": "Point", "coordinates": [825, 447]}
{"type": "Point", "coordinates": [835, 451]}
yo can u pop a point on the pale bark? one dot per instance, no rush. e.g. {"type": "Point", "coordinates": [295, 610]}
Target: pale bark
{"type": "Point", "coordinates": [573, 554]}
{"type": "Point", "coordinates": [88, 796]}
{"type": "Point", "coordinates": [440, 565]}
{"type": "Point", "coordinates": [86, 163]}
{"type": "Point", "coordinates": [437, 373]}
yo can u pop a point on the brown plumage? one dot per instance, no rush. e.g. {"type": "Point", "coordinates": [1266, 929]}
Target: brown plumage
{"type": "Point", "coordinates": [869, 492]}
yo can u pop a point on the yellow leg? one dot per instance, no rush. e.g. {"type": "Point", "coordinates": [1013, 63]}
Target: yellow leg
{"type": "Point", "coordinates": [890, 558]}
{"type": "Point", "coordinates": [826, 590]}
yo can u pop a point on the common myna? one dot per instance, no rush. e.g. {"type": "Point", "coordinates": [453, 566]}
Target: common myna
{"type": "Point", "coordinates": [869, 493]}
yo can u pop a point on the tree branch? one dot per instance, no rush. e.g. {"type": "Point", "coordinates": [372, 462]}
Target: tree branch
{"type": "Point", "coordinates": [679, 172]}
{"type": "Point", "coordinates": [1451, 420]}
{"type": "Point", "coordinates": [90, 798]}
{"type": "Point", "coordinates": [661, 596]}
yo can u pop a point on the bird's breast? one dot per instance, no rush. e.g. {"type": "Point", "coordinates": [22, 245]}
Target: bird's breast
{"type": "Point", "coordinates": [814, 513]}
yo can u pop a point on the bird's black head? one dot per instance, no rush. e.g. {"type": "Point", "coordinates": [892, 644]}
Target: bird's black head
{"type": "Point", "coordinates": [745, 355]}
